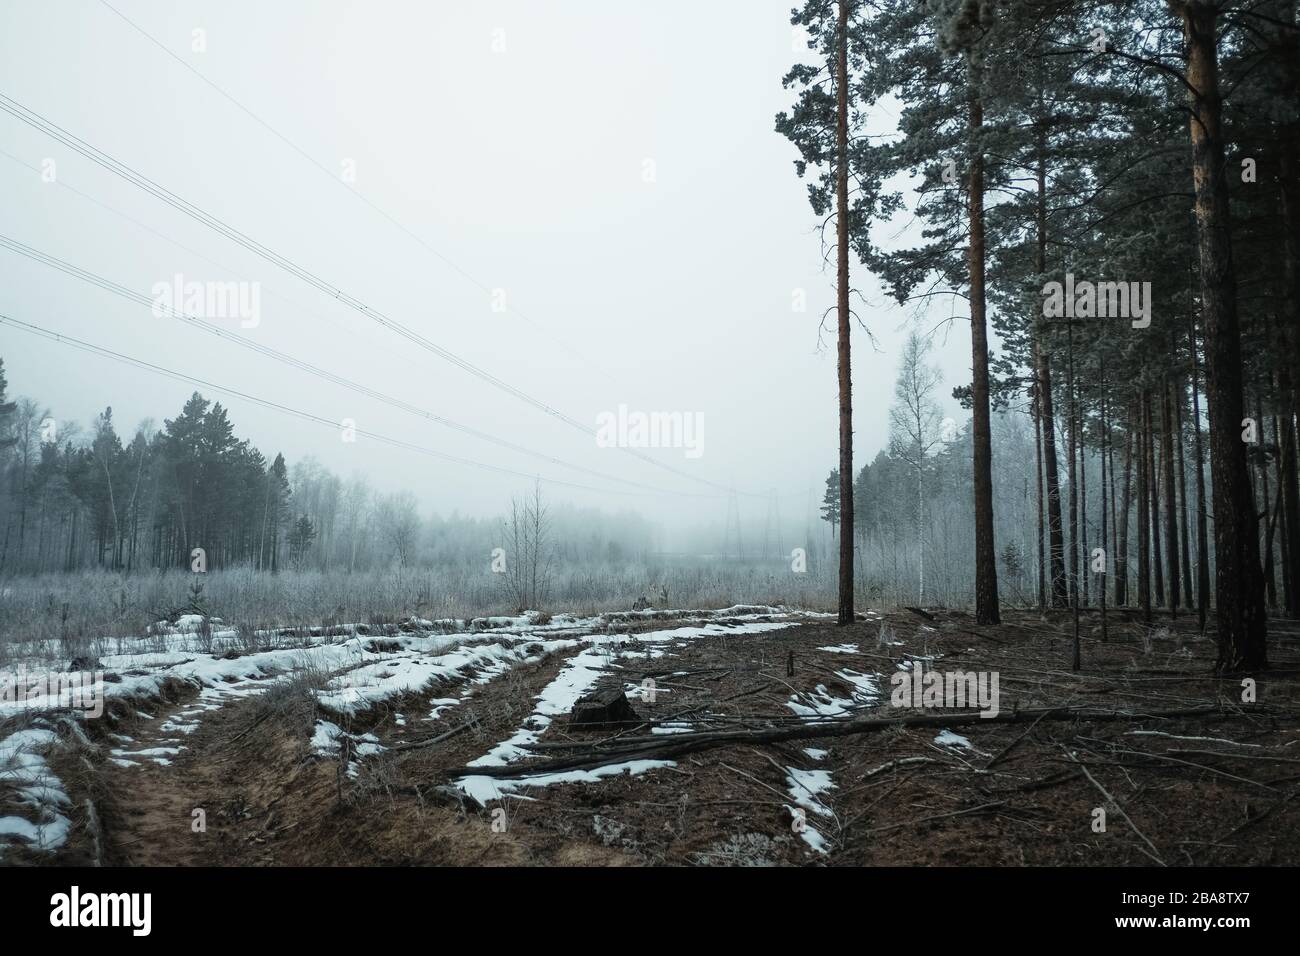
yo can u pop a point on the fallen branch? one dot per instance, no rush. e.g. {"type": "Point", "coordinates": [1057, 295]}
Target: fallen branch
{"type": "Point", "coordinates": [1011, 746]}
{"type": "Point", "coordinates": [417, 745]}
{"type": "Point", "coordinates": [675, 745]}
{"type": "Point", "coordinates": [1192, 763]}
{"type": "Point", "coordinates": [939, 816]}
{"type": "Point", "coordinates": [1261, 816]}
{"type": "Point", "coordinates": [1049, 782]}
{"type": "Point", "coordinates": [1154, 854]}
{"type": "Point", "coordinates": [898, 762]}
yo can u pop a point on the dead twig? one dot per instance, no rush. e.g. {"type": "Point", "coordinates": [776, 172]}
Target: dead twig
{"type": "Point", "coordinates": [938, 816]}
{"type": "Point", "coordinates": [419, 744]}
{"type": "Point", "coordinates": [1154, 854]}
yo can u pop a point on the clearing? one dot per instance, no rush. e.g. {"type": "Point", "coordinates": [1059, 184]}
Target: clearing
{"type": "Point", "coordinates": [762, 736]}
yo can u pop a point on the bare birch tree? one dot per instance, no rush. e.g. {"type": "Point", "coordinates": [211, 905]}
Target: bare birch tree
{"type": "Point", "coordinates": [915, 426]}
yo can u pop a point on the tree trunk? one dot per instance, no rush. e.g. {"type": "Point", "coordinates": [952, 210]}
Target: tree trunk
{"type": "Point", "coordinates": [1202, 514]}
{"type": "Point", "coordinates": [1153, 476]}
{"type": "Point", "coordinates": [1171, 499]}
{"type": "Point", "coordinates": [1121, 552]}
{"type": "Point", "coordinates": [986, 570]}
{"type": "Point", "coordinates": [1270, 581]}
{"type": "Point", "coordinates": [1239, 598]}
{"type": "Point", "coordinates": [1051, 468]}
{"type": "Point", "coordinates": [1043, 374]}
{"type": "Point", "coordinates": [1038, 479]}
{"type": "Point", "coordinates": [1072, 475]}
{"type": "Point", "coordinates": [1105, 447]}
{"type": "Point", "coordinates": [842, 290]}
{"type": "Point", "coordinates": [1288, 597]}
{"type": "Point", "coordinates": [1184, 539]}
{"type": "Point", "coordinates": [1286, 47]}
{"type": "Point", "coordinates": [1112, 567]}
{"type": "Point", "coordinates": [1143, 515]}
{"type": "Point", "coordinates": [1083, 510]}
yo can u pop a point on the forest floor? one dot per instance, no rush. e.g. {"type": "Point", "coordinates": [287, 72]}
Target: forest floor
{"type": "Point", "coordinates": [258, 770]}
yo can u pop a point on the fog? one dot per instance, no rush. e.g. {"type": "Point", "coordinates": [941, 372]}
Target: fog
{"type": "Point", "coordinates": [609, 174]}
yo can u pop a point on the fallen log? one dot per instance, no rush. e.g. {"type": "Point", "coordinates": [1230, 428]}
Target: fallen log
{"type": "Point", "coordinates": [676, 745]}
{"type": "Point", "coordinates": [419, 744]}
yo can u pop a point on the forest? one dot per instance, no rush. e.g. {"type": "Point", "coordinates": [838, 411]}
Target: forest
{"type": "Point", "coordinates": [987, 561]}
{"type": "Point", "coordinates": [1143, 142]}
{"type": "Point", "coordinates": [75, 499]}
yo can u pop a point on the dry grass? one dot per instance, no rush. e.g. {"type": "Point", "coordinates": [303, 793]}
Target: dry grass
{"type": "Point", "coordinates": [63, 615]}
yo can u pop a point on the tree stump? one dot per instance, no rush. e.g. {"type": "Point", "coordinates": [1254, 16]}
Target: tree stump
{"type": "Point", "coordinates": [602, 708]}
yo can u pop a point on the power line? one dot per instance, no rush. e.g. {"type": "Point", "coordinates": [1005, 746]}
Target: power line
{"type": "Point", "coordinates": [73, 142]}
{"type": "Point", "coordinates": [62, 183]}
{"type": "Point", "coordinates": [455, 267]}
{"type": "Point", "coordinates": [110, 286]}
{"type": "Point", "coordinates": [276, 406]}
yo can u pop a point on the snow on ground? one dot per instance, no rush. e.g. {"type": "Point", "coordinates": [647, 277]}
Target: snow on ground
{"type": "Point", "coordinates": [910, 661]}
{"type": "Point", "coordinates": [947, 738]}
{"type": "Point", "coordinates": [327, 741]}
{"type": "Point", "coordinates": [840, 649]}
{"type": "Point", "coordinates": [821, 703]}
{"type": "Point", "coordinates": [143, 665]}
{"type": "Point", "coordinates": [439, 704]}
{"type": "Point", "coordinates": [579, 675]}
{"type": "Point", "coordinates": [487, 789]}
{"type": "Point", "coordinates": [805, 788]}
{"type": "Point", "coordinates": [34, 786]}
{"type": "Point", "coordinates": [187, 634]}
{"type": "Point", "coordinates": [366, 670]}
{"type": "Point", "coordinates": [865, 688]}
{"type": "Point", "coordinates": [955, 742]}
{"type": "Point", "coordinates": [813, 838]}
{"type": "Point", "coordinates": [379, 677]}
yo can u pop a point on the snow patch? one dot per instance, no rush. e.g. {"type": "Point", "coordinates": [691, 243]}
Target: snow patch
{"type": "Point", "coordinates": [486, 789]}
{"type": "Point", "coordinates": [24, 770]}
{"type": "Point", "coordinates": [947, 738]}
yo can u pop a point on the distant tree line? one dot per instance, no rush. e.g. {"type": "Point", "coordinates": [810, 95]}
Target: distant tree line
{"type": "Point", "coordinates": [72, 498]}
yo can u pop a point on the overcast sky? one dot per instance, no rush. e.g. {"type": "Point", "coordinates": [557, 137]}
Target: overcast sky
{"type": "Point", "coordinates": [613, 169]}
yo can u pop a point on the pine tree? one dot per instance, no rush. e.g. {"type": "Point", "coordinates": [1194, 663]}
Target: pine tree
{"type": "Point", "coordinates": [301, 535]}
{"type": "Point", "coordinates": [831, 500]}
{"type": "Point", "coordinates": [274, 506]}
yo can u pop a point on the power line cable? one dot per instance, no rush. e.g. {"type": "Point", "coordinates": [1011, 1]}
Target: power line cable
{"type": "Point", "coordinates": [54, 131]}
{"type": "Point", "coordinates": [286, 409]}
{"type": "Point", "coordinates": [334, 177]}
{"type": "Point", "coordinates": [214, 329]}
{"type": "Point", "coordinates": [62, 182]}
